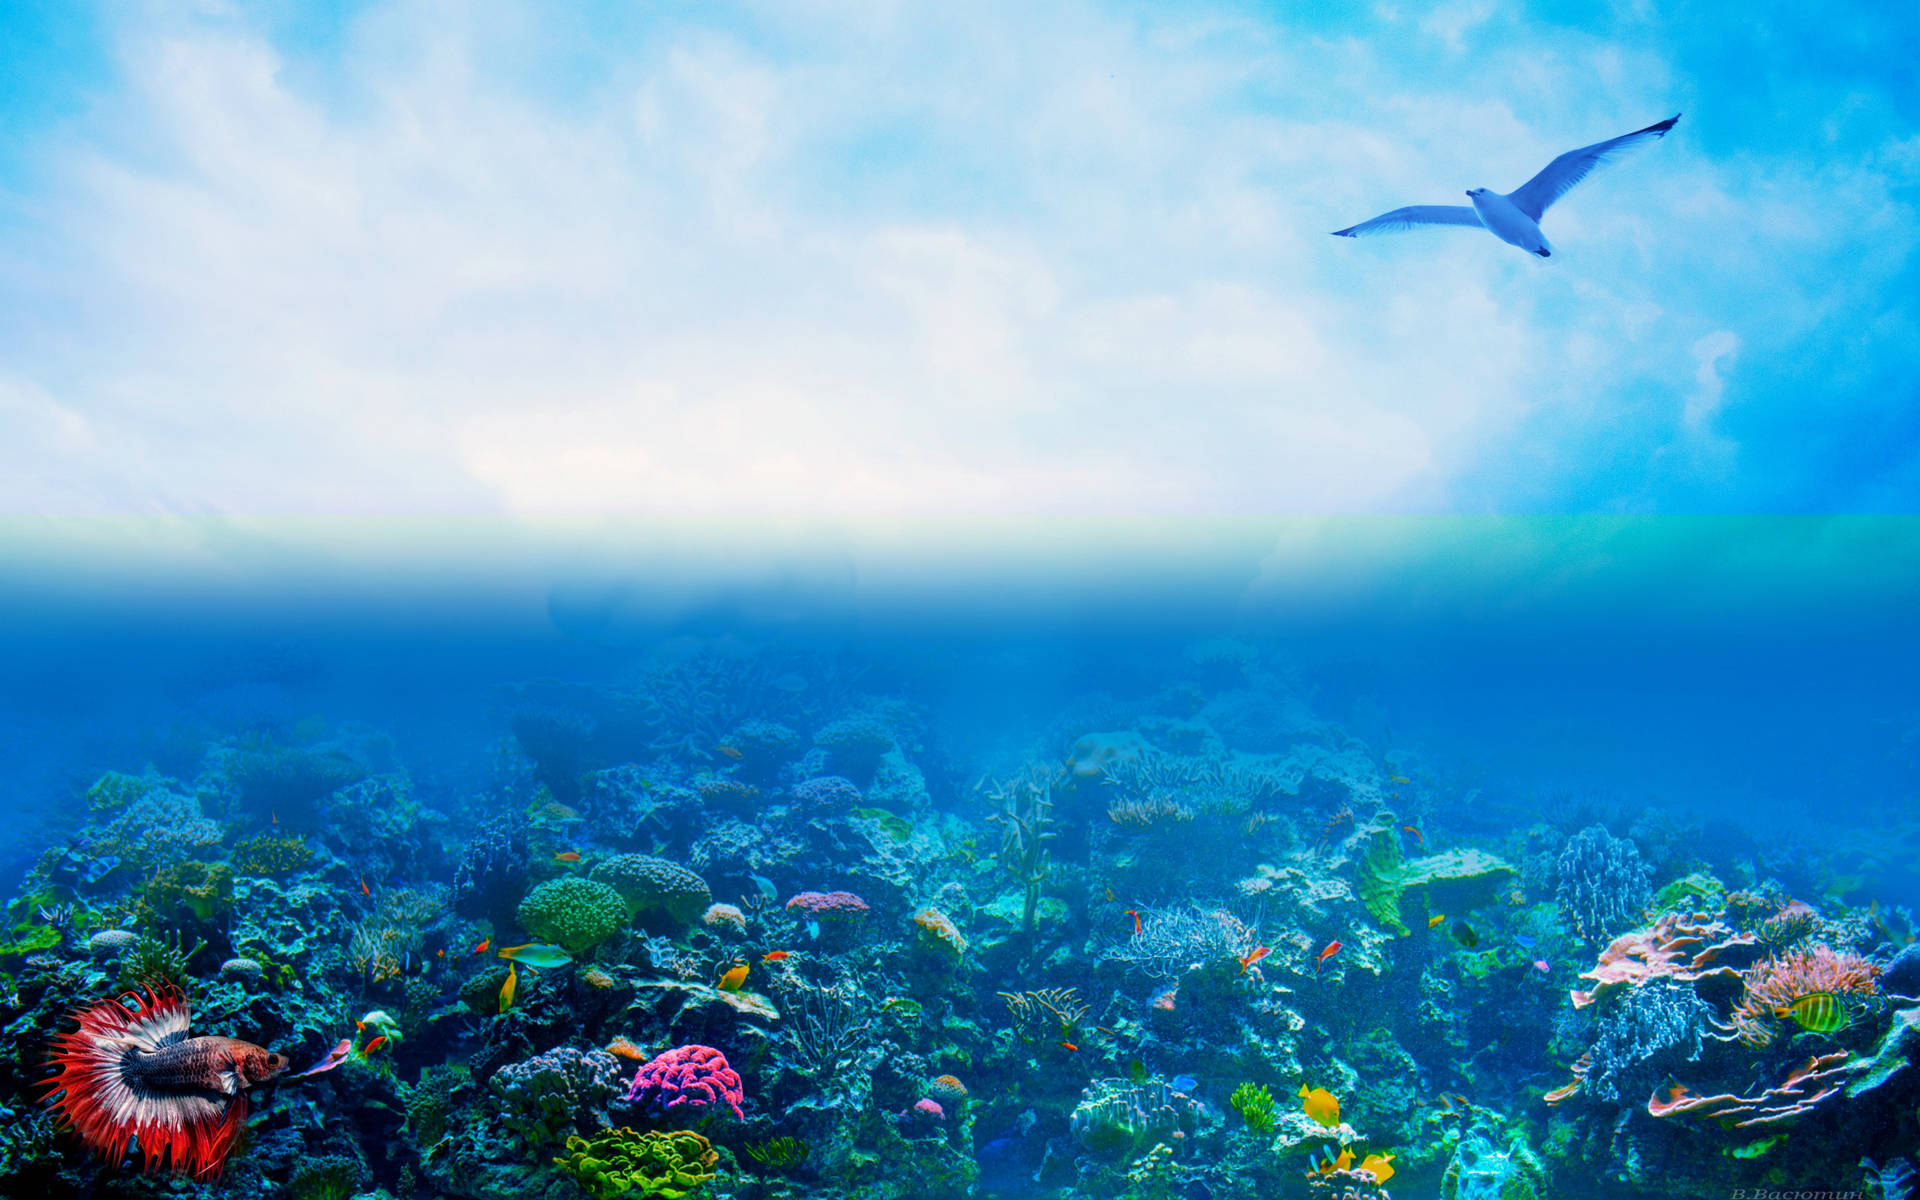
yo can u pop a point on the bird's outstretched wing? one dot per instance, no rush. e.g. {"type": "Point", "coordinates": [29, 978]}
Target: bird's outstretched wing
{"type": "Point", "coordinates": [1535, 195]}
{"type": "Point", "coordinates": [1413, 216]}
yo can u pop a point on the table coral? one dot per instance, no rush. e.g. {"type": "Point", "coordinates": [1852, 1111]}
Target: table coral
{"type": "Point", "coordinates": [1799, 1093]}
{"type": "Point", "coordinates": [1690, 947]}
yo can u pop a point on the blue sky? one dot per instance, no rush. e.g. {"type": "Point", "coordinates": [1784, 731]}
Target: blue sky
{"type": "Point", "coordinates": [851, 257]}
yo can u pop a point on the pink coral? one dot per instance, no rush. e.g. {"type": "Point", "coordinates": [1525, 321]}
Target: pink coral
{"type": "Point", "coordinates": [930, 1109]}
{"type": "Point", "coordinates": [1688, 948]}
{"type": "Point", "coordinates": [827, 906]}
{"type": "Point", "coordinates": [1820, 1077]}
{"type": "Point", "coordinates": [688, 1076]}
{"type": "Point", "coordinates": [1778, 982]}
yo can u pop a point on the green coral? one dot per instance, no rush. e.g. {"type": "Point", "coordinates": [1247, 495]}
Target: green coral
{"type": "Point", "coordinates": [619, 1161]}
{"type": "Point", "coordinates": [1452, 880]}
{"type": "Point", "coordinates": [1698, 892]}
{"type": "Point", "coordinates": [30, 939]}
{"type": "Point", "coordinates": [777, 1154]}
{"type": "Point", "coordinates": [430, 1102]}
{"type": "Point", "coordinates": [644, 882]}
{"type": "Point", "coordinates": [191, 889]}
{"type": "Point", "coordinates": [328, 1177]}
{"type": "Point", "coordinates": [1482, 1169]}
{"type": "Point", "coordinates": [153, 961]}
{"type": "Point", "coordinates": [577, 913]}
{"type": "Point", "coordinates": [114, 791]}
{"type": "Point", "coordinates": [1254, 1103]}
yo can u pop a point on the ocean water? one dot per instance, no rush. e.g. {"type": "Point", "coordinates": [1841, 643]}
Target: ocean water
{"type": "Point", "coordinates": [1453, 857]}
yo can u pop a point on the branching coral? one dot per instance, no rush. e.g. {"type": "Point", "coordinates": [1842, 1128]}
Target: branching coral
{"type": "Point", "coordinates": [1026, 815]}
{"type": "Point", "coordinates": [1774, 984]}
{"type": "Point", "coordinates": [1172, 941]}
{"type": "Point", "coordinates": [1118, 1119]}
{"type": "Point", "coordinates": [1602, 884]}
{"type": "Point", "coordinates": [1046, 1014]}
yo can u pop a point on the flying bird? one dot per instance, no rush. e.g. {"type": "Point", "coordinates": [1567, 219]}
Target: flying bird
{"type": "Point", "coordinates": [1515, 217]}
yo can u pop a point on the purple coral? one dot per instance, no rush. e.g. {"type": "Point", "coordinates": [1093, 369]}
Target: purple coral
{"type": "Point", "coordinates": [827, 793]}
{"type": "Point", "coordinates": [551, 1095]}
{"type": "Point", "coordinates": [827, 906]}
{"type": "Point", "coordinates": [687, 1076]}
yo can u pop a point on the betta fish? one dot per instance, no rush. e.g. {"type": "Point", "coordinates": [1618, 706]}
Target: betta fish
{"type": "Point", "coordinates": [133, 1074]}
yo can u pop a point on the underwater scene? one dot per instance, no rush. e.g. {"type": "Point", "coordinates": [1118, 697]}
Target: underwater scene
{"type": "Point", "coordinates": [917, 904]}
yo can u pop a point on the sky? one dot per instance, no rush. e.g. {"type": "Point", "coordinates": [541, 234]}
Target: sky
{"type": "Point", "coordinates": [863, 259]}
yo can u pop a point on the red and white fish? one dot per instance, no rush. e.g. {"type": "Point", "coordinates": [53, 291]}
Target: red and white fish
{"type": "Point", "coordinates": [134, 1073]}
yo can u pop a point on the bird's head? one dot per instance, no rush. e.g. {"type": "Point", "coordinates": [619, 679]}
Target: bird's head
{"type": "Point", "coordinates": [1476, 192]}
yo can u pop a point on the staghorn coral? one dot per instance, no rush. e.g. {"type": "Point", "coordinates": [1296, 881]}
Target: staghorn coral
{"type": "Point", "coordinates": [647, 884]}
{"type": "Point", "coordinates": [622, 1162]}
{"type": "Point", "coordinates": [1601, 884]}
{"type": "Point", "coordinates": [1775, 983]}
{"type": "Point", "coordinates": [1025, 815]}
{"type": "Point", "coordinates": [573, 912]}
{"type": "Point", "coordinates": [1047, 1014]}
{"type": "Point", "coordinates": [1173, 941]}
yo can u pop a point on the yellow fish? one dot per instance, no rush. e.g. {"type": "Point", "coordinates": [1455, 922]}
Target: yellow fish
{"type": "Point", "coordinates": [1820, 1012]}
{"type": "Point", "coordinates": [1379, 1166]}
{"type": "Point", "coordinates": [733, 980]}
{"type": "Point", "coordinates": [1434, 922]}
{"type": "Point", "coordinates": [509, 987]}
{"type": "Point", "coordinates": [1320, 1105]}
{"type": "Point", "coordinates": [1402, 780]}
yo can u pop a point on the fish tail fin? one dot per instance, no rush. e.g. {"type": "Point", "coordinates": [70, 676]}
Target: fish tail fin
{"type": "Point", "coordinates": [100, 1090]}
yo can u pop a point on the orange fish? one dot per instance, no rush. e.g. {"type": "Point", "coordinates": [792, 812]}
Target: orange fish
{"type": "Point", "coordinates": [567, 856]}
{"type": "Point", "coordinates": [440, 953]}
{"type": "Point", "coordinates": [730, 752]}
{"type": "Point", "coordinates": [1253, 956]}
{"type": "Point", "coordinates": [373, 1045]}
{"type": "Point", "coordinates": [775, 956]}
{"type": "Point", "coordinates": [1134, 913]}
{"type": "Point", "coordinates": [1418, 840]}
{"type": "Point", "coordinates": [734, 979]}
{"type": "Point", "coordinates": [1068, 1046]}
{"type": "Point", "coordinates": [485, 945]}
{"type": "Point", "coordinates": [1332, 949]}
{"type": "Point", "coordinates": [364, 889]}
{"type": "Point", "coordinates": [276, 817]}
{"type": "Point", "coordinates": [1109, 895]}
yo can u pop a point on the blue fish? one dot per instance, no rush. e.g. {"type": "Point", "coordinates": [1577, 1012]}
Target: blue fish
{"type": "Point", "coordinates": [813, 929]}
{"type": "Point", "coordinates": [1184, 1083]}
{"type": "Point", "coordinates": [1523, 940]}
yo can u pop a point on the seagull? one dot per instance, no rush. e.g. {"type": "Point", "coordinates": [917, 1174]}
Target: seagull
{"type": "Point", "coordinates": [1515, 217]}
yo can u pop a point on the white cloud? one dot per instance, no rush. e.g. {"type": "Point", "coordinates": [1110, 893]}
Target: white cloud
{"type": "Point", "coordinates": [874, 258]}
{"type": "Point", "coordinates": [1711, 351]}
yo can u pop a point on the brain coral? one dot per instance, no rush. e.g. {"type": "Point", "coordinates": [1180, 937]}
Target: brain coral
{"type": "Point", "coordinates": [577, 913]}
{"type": "Point", "coordinates": [646, 883]}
